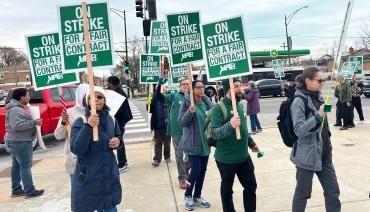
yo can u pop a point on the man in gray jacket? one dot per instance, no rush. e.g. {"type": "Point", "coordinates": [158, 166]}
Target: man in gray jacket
{"type": "Point", "coordinates": [20, 132]}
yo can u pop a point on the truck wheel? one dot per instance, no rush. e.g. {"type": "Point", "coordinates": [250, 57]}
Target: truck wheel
{"type": "Point", "coordinates": [35, 144]}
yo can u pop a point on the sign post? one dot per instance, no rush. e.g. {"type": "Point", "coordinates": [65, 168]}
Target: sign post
{"type": "Point", "coordinates": [227, 54]}
{"type": "Point", "coordinates": [45, 62]}
{"type": "Point", "coordinates": [348, 69]}
{"type": "Point", "coordinates": [159, 38]}
{"type": "Point", "coordinates": [360, 63]}
{"type": "Point", "coordinates": [185, 41]}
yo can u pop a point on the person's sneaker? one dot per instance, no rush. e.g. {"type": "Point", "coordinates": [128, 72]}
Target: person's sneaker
{"type": "Point", "coordinates": [343, 128]}
{"type": "Point", "coordinates": [124, 168]}
{"type": "Point", "coordinates": [252, 133]}
{"type": "Point", "coordinates": [168, 160]}
{"type": "Point", "coordinates": [259, 130]}
{"type": "Point", "coordinates": [189, 204]}
{"type": "Point", "coordinates": [337, 125]}
{"type": "Point", "coordinates": [36, 193]}
{"type": "Point", "coordinates": [155, 163]}
{"type": "Point", "coordinates": [18, 193]}
{"type": "Point", "coordinates": [351, 126]}
{"type": "Point", "coordinates": [184, 184]}
{"type": "Point", "coordinates": [201, 203]}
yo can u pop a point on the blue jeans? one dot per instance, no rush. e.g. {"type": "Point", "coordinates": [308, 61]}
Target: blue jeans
{"type": "Point", "coordinates": [255, 123]}
{"type": "Point", "coordinates": [114, 209]}
{"type": "Point", "coordinates": [21, 152]}
{"type": "Point", "coordinates": [198, 167]}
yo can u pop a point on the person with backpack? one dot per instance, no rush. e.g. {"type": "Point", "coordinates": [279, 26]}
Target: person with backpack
{"type": "Point", "coordinates": [175, 99]}
{"type": "Point", "coordinates": [232, 155]}
{"type": "Point", "coordinates": [312, 151]}
{"type": "Point", "coordinates": [194, 143]}
{"type": "Point", "coordinates": [253, 107]}
{"type": "Point", "coordinates": [345, 96]}
{"type": "Point", "coordinates": [356, 98]}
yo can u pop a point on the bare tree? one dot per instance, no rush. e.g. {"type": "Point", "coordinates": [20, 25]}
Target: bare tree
{"type": "Point", "coordinates": [12, 57]}
{"type": "Point", "coordinates": [365, 37]}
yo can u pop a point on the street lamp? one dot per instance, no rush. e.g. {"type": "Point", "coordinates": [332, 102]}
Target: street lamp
{"type": "Point", "coordinates": [115, 11]}
{"type": "Point", "coordinates": [287, 21]}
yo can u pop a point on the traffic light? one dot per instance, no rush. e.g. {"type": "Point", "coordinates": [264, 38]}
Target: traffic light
{"type": "Point", "coordinates": [152, 9]}
{"type": "Point", "coordinates": [146, 27]}
{"type": "Point", "coordinates": [139, 8]}
{"type": "Point", "coordinates": [126, 68]}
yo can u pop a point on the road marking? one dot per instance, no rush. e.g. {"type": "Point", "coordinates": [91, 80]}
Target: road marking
{"type": "Point", "coordinates": [136, 120]}
{"type": "Point", "coordinates": [135, 125]}
{"type": "Point", "coordinates": [137, 130]}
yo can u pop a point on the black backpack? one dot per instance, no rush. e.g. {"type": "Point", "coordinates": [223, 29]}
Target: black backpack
{"type": "Point", "coordinates": [285, 123]}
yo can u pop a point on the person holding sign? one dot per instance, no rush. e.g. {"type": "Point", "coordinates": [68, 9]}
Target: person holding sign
{"type": "Point", "coordinates": [232, 155]}
{"type": "Point", "coordinates": [356, 97]}
{"type": "Point", "coordinates": [20, 133]}
{"type": "Point", "coordinates": [60, 132]}
{"type": "Point", "coordinates": [96, 178]}
{"type": "Point", "coordinates": [313, 153]}
{"type": "Point", "coordinates": [194, 143]}
{"type": "Point", "coordinates": [345, 96]}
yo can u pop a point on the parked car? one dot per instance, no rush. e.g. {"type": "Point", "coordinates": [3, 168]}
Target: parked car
{"type": "Point", "coordinates": [366, 85]}
{"type": "Point", "coordinates": [50, 108]}
{"type": "Point", "coordinates": [269, 87]}
{"type": "Point", "coordinates": [3, 98]}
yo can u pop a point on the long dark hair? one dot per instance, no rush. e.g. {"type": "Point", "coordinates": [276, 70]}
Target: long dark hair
{"type": "Point", "coordinates": [308, 73]}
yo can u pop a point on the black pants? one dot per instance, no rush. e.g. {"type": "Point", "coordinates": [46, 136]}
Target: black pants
{"type": "Point", "coordinates": [347, 114]}
{"type": "Point", "coordinates": [245, 173]}
{"type": "Point", "coordinates": [121, 152]}
{"type": "Point", "coordinates": [356, 102]}
{"type": "Point", "coordinates": [161, 139]}
{"type": "Point", "coordinates": [338, 113]}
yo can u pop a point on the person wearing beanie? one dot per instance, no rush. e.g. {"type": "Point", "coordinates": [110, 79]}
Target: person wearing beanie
{"type": "Point", "coordinates": [123, 116]}
{"type": "Point", "coordinates": [96, 182]}
{"type": "Point", "coordinates": [231, 155]}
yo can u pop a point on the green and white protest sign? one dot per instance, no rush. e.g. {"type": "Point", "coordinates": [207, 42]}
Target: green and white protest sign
{"type": "Point", "coordinates": [150, 68]}
{"type": "Point", "coordinates": [159, 38]}
{"type": "Point", "coordinates": [184, 37]}
{"type": "Point", "coordinates": [226, 48]}
{"type": "Point", "coordinates": [360, 63]}
{"type": "Point", "coordinates": [45, 62]}
{"type": "Point", "coordinates": [71, 32]}
{"type": "Point", "coordinates": [278, 67]}
{"type": "Point", "coordinates": [178, 73]}
{"type": "Point", "coordinates": [348, 69]}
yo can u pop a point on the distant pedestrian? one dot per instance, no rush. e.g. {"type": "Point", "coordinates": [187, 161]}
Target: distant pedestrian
{"type": "Point", "coordinates": [158, 124]}
{"type": "Point", "coordinates": [345, 96]}
{"type": "Point", "coordinates": [312, 153]}
{"type": "Point", "coordinates": [175, 99]}
{"type": "Point", "coordinates": [194, 143]}
{"type": "Point", "coordinates": [338, 112]}
{"type": "Point", "coordinates": [232, 155]}
{"type": "Point", "coordinates": [96, 179]}
{"type": "Point", "coordinates": [290, 89]}
{"type": "Point", "coordinates": [123, 116]}
{"type": "Point", "coordinates": [356, 98]}
{"type": "Point", "coordinates": [61, 133]}
{"type": "Point", "coordinates": [253, 107]}
{"type": "Point", "coordinates": [20, 132]}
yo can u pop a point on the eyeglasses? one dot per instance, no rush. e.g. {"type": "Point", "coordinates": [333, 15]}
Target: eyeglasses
{"type": "Point", "coordinates": [199, 87]}
{"type": "Point", "coordinates": [99, 97]}
{"type": "Point", "coordinates": [321, 81]}
{"type": "Point", "coordinates": [184, 83]}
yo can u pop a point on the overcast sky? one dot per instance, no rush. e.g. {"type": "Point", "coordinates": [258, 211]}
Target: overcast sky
{"type": "Point", "coordinates": [310, 28]}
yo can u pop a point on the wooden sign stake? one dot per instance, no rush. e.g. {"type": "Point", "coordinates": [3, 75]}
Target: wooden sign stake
{"type": "Point", "coordinates": [190, 78]}
{"type": "Point", "coordinates": [233, 102]}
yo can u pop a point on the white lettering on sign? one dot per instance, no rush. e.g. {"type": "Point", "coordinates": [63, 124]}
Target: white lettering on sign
{"type": "Point", "coordinates": [48, 40]}
{"type": "Point", "coordinates": [44, 51]}
{"type": "Point", "coordinates": [58, 76]}
{"type": "Point", "coordinates": [82, 59]}
{"type": "Point", "coordinates": [184, 29]}
{"type": "Point", "coordinates": [183, 19]}
{"type": "Point", "coordinates": [77, 25]}
{"type": "Point", "coordinates": [78, 12]}
{"type": "Point", "coordinates": [150, 71]}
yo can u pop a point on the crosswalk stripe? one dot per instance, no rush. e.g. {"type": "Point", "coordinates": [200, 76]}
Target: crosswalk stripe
{"type": "Point", "coordinates": [135, 125]}
{"type": "Point", "coordinates": [137, 130]}
{"type": "Point", "coordinates": [138, 117]}
{"type": "Point", "coordinates": [137, 120]}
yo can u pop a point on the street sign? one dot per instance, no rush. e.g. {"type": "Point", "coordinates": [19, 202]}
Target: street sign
{"type": "Point", "coordinates": [150, 68]}
{"type": "Point", "coordinates": [45, 62]}
{"type": "Point", "coordinates": [360, 63]}
{"type": "Point", "coordinates": [178, 73]}
{"type": "Point", "coordinates": [185, 37]}
{"type": "Point", "coordinates": [348, 69]}
{"type": "Point", "coordinates": [226, 48]}
{"type": "Point", "coordinates": [71, 32]}
{"type": "Point", "coordinates": [159, 38]}
{"type": "Point", "coordinates": [278, 67]}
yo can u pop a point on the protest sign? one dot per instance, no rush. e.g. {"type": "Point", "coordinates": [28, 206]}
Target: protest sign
{"type": "Point", "coordinates": [278, 67]}
{"type": "Point", "coordinates": [360, 63]}
{"type": "Point", "coordinates": [150, 68]}
{"type": "Point", "coordinates": [159, 38]}
{"type": "Point", "coordinates": [348, 69]}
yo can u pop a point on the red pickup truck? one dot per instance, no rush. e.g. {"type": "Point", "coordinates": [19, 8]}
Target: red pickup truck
{"type": "Point", "coordinates": [50, 108]}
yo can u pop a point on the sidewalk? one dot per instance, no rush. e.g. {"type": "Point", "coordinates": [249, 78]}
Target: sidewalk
{"type": "Point", "coordinates": [156, 189]}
